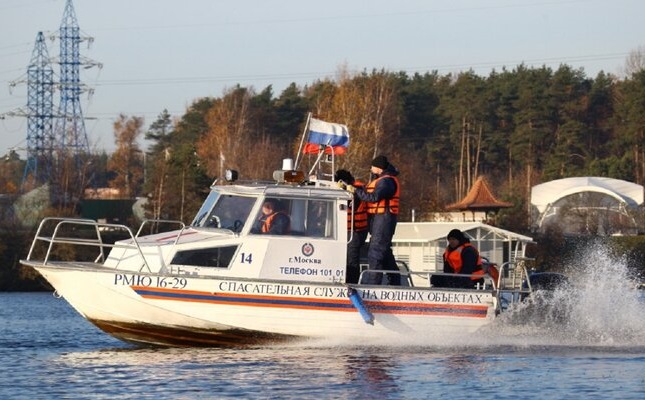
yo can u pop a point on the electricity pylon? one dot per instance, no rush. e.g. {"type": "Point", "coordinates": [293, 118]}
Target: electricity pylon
{"type": "Point", "coordinates": [72, 145]}
{"type": "Point", "coordinates": [39, 114]}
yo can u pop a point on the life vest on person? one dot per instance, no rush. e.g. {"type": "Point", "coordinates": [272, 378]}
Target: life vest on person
{"type": "Point", "coordinates": [268, 222]}
{"type": "Point", "coordinates": [360, 213]}
{"type": "Point", "coordinates": [384, 205]}
{"type": "Point", "coordinates": [456, 263]}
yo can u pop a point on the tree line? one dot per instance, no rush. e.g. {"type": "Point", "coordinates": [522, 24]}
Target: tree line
{"type": "Point", "coordinates": [517, 127]}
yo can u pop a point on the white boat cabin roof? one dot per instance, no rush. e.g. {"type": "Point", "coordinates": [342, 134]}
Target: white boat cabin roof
{"type": "Point", "coordinates": [425, 232]}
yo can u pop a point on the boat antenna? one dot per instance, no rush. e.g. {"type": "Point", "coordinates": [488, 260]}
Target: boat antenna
{"type": "Point", "coordinates": [302, 141]}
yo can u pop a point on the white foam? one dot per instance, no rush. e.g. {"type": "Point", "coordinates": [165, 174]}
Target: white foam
{"type": "Point", "coordinates": [604, 307]}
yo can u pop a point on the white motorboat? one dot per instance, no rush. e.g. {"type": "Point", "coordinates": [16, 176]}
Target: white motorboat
{"type": "Point", "coordinates": [220, 281]}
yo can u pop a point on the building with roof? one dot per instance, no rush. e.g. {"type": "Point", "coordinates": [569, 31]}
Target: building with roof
{"type": "Point", "coordinates": [479, 200]}
{"type": "Point", "coordinates": [588, 205]}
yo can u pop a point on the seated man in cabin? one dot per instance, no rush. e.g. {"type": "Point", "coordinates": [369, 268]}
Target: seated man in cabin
{"type": "Point", "coordinates": [460, 257]}
{"type": "Point", "coordinates": [272, 221]}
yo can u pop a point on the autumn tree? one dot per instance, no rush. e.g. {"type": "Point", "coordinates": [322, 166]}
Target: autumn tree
{"type": "Point", "coordinates": [11, 168]}
{"type": "Point", "coordinates": [234, 139]}
{"type": "Point", "coordinates": [126, 162]}
{"type": "Point", "coordinates": [369, 104]}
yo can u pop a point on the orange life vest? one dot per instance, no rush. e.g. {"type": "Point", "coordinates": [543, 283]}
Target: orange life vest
{"type": "Point", "coordinates": [266, 226]}
{"type": "Point", "coordinates": [454, 259]}
{"type": "Point", "coordinates": [360, 214]}
{"type": "Point", "coordinates": [384, 205]}
{"type": "Point", "coordinates": [490, 270]}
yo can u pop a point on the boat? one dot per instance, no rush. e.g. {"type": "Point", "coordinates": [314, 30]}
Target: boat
{"type": "Point", "coordinates": [223, 280]}
{"type": "Point", "coordinates": [220, 281]}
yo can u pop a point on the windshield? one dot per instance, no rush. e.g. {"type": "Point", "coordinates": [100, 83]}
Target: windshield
{"type": "Point", "coordinates": [224, 211]}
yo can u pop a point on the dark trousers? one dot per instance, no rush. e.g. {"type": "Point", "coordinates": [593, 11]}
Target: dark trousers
{"type": "Point", "coordinates": [354, 255]}
{"type": "Point", "coordinates": [379, 255]}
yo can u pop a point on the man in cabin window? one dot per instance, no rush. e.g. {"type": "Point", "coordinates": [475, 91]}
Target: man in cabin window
{"type": "Point", "coordinates": [273, 220]}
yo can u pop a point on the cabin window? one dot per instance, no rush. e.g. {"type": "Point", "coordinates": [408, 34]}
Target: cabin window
{"type": "Point", "coordinates": [295, 217]}
{"type": "Point", "coordinates": [216, 257]}
{"type": "Point", "coordinates": [224, 211]}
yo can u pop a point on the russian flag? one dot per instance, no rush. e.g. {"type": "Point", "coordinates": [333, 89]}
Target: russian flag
{"type": "Point", "coordinates": [326, 134]}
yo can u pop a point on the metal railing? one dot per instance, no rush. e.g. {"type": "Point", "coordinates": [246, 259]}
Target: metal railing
{"type": "Point", "coordinates": [157, 222]}
{"type": "Point", "coordinates": [507, 289]}
{"type": "Point", "coordinates": [517, 285]}
{"type": "Point", "coordinates": [64, 230]}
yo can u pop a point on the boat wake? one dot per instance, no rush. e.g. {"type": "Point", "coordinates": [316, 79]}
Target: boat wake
{"type": "Point", "coordinates": [601, 307]}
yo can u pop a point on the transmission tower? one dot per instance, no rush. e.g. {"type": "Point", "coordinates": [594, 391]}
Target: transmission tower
{"type": "Point", "coordinates": [39, 113]}
{"type": "Point", "coordinates": [72, 150]}
{"type": "Point", "coordinates": [40, 92]}
{"type": "Point", "coordinates": [70, 132]}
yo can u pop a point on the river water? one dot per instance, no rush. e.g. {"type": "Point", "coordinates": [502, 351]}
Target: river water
{"type": "Point", "coordinates": [597, 351]}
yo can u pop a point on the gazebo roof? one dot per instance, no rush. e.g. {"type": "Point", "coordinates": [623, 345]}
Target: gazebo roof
{"type": "Point", "coordinates": [479, 198]}
{"type": "Point", "coordinates": [550, 192]}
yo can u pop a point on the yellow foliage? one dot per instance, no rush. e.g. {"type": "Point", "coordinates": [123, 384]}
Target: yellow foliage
{"type": "Point", "coordinates": [368, 105]}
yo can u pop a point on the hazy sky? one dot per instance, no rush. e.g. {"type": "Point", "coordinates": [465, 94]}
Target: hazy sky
{"type": "Point", "coordinates": [160, 54]}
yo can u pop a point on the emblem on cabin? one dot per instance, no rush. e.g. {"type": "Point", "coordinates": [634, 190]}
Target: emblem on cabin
{"type": "Point", "coordinates": [307, 249]}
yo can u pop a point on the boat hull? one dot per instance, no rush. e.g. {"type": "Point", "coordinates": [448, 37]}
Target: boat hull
{"type": "Point", "coordinates": [157, 309]}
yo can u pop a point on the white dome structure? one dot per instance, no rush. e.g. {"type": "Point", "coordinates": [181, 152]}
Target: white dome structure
{"type": "Point", "coordinates": [593, 205]}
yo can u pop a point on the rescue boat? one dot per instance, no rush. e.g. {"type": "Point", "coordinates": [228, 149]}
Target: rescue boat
{"type": "Point", "coordinates": [221, 281]}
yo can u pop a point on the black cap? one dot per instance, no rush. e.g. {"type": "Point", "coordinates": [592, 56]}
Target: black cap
{"type": "Point", "coordinates": [380, 162]}
{"type": "Point", "coordinates": [456, 234]}
{"type": "Point", "coordinates": [344, 175]}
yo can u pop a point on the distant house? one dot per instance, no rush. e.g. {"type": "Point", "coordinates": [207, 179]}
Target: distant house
{"type": "Point", "coordinates": [479, 202]}
{"type": "Point", "coordinates": [112, 211]}
{"type": "Point", "coordinates": [104, 205]}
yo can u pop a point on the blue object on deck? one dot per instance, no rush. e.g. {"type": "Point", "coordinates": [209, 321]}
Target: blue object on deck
{"type": "Point", "coordinates": [357, 302]}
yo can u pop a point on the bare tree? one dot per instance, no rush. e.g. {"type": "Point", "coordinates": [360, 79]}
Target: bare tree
{"type": "Point", "coordinates": [635, 61]}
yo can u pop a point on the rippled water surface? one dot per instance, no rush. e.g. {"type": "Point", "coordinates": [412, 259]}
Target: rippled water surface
{"type": "Point", "coordinates": [48, 351]}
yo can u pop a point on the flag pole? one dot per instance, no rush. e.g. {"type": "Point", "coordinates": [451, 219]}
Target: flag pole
{"type": "Point", "coordinates": [320, 155]}
{"type": "Point", "coordinates": [302, 141]}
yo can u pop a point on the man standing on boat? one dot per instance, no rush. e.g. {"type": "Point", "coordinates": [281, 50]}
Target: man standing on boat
{"type": "Point", "coordinates": [382, 197]}
{"type": "Point", "coordinates": [356, 230]}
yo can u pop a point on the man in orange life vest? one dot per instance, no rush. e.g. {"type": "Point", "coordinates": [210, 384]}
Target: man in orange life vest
{"type": "Point", "coordinates": [273, 221]}
{"type": "Point", "coordinates": [460, 257]}
{"type": "Point", "coordinates": [382, 197]}
{"type": "Point", "coordinates": [357, 230]}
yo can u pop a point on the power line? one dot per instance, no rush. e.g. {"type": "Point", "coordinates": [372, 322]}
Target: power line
{"type": "Point", "coordinates": [320, 75]}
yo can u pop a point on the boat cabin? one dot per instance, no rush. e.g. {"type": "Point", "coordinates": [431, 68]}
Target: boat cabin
{"type": "Point", "coordinates": [232, 235]}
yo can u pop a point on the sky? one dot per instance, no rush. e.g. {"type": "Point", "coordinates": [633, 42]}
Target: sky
{"type": "Point", "coordinates": [163, 54]}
